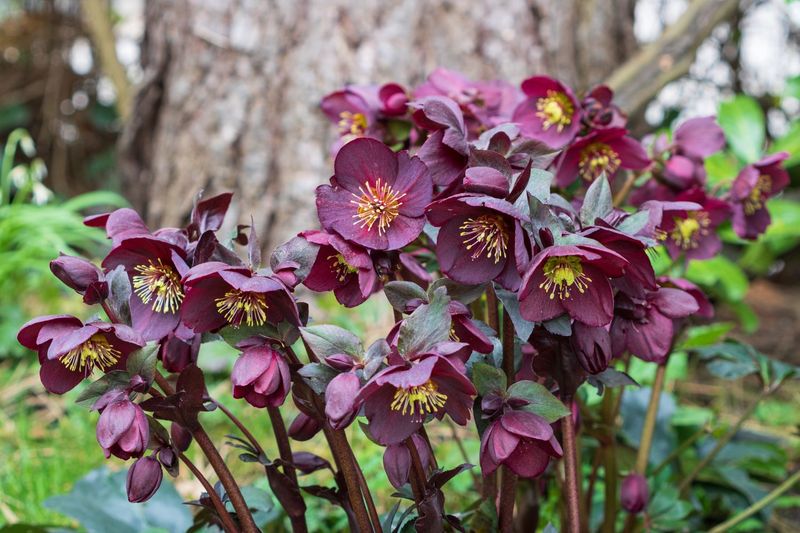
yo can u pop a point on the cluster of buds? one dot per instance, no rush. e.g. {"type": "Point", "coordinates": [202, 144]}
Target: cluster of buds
{"type": "Point", "coordinates": [448, 197]}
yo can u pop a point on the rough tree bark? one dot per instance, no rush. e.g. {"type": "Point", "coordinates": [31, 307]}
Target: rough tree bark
{"type": "Point", "coordinates": [231, 87]}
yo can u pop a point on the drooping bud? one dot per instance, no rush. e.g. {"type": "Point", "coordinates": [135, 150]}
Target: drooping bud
{"type": "Point", "coordinates": [339, 399]}
{"type": "Point", "coordinates": [82, 276]}
{"type": "Point", "coordinates": [261, 377]}
{"type": "Point", "coordinates": [592, 347]}
{"type": "Point", "coordinates": [634, 493]}
{"type": "Point", "coordinates": [144, 478]}
{"type": "Point", "coordinates": [123, 430]}
{"type": "Point", "coordinates": [181, 438]}
{"type": "Point", "coordinates": [303, 427]}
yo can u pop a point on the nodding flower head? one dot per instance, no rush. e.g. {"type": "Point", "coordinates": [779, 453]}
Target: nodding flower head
{"type": "Point", "coordinates": [572, 280]}
{"type": "Point", "coordinates": [219, 295]}
{"type": "Point", "coordinates": [398, 399]}
{"type": "Point", "coordinates": [343, 267]}
{"type": "Point", "coordinates": [751, 189]}
{"type": "Point", "coordinates": [154, 267]}
{"type": "Point", "coordinates": [70, 351]}
{"type": "Point", "coordinates": [377, 197]}
{"type": "Point", "coordinates": [691, 232]}
{"type": "Point", "coordinates": [481, 238]}
{"type": "Point", "coordinates": [550, 113]}
{"type": "Point", "coordinates": [604, 151]}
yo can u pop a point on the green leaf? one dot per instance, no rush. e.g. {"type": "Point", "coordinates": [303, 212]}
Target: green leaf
{"type": "Point", "coordinates": [233, 335]}
{"type": "Point", "coordinates": [427, 325]}
{"type": "Point", "coordinates": [698, 336]}
{"type": "Point", "coordinates": [542, 401]}
{"type": "Point", "coordinates": [792, 88]}
{"type": "Point", "coordinates": [719, 271]}
{"type": "Point", "coordinates": [722, 167]}
{"type": "Point", "coordinates": [742, 120]}
{"type": "Point", "coordinates": [488, 379]}
{"type": "Point", "coordinates": [317, 376]}
{"type": "Point", "coordinates": [142, 362]}
{"type": "Point", "coordinates": [730, 360]}
{"type": "Point", "coordinates": [399, 293]}
{"type": "Point", "coordinates": [325, 340]}
{"type": "Point", "coordinates": [598, 202]}
{"type": "Point", "coordinates": [522, 327]}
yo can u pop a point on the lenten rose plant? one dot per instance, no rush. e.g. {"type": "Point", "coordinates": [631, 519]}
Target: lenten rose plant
{"type": "Point", "coordinates": [511, 230]}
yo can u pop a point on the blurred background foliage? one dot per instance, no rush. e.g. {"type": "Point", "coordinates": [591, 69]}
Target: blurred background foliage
{"type": "Point", "coordinates": [60, 121]}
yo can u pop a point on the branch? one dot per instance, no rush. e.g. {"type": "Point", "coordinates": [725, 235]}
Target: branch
{"type": "Point", "coordinates": [639, 79]}
{"type": "Point", "coordinates": [98, 24]}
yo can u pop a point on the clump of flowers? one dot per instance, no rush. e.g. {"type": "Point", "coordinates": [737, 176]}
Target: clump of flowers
{"type": "Point", "coordinates": [511, 230]}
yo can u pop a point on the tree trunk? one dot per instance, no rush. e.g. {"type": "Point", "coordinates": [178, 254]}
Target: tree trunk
{"type": "Point", "coordinates": [231, 88]}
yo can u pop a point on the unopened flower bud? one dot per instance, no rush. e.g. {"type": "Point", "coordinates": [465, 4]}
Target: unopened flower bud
{"type": "Point", "coordinates": [144, 478]}
{"type": "Point", "coordinates": [634, 493]}
{"type": "Point", "coordinates": [181, 438]}
{"type": "Point", "coordinates": [303, 427]}
{"type": "Point", "coordinates": [122, 430]}
{"type": "Point", "coordinates": [81, 276]}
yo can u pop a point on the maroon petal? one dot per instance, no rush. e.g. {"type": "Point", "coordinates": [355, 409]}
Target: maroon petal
{"type": "Point", "coordinates": [44, 328]}
{"type": "Point", "coordinates": [594, 306]}
{"type": "Point", "coordinates": [57, 378]}
{"type": "Point", "coordinates": [457, 263]}
{"type": "Point", "coordinates": [527, 425]}
{"type": "Point", "coordinates": [397, 464]}
{"type": "Point", "coordinates": [364, 161]}
{"type": "Point", "coordinates": [535, 303]}
{"type": "Point", "coordinates": [675, 303]}
{"type": "Point", "coordinates": [502, 444]}
{"type": "Point", "coordinates": [114, 422]}
{"type": "Point", "coordinates": [249, 366]}
{"type": "Point", "coordinates": [528, 460]}
{"type": "Point", "coordinates": [413, 180]}
{"type": "Point", "coordinates": [386, 425]}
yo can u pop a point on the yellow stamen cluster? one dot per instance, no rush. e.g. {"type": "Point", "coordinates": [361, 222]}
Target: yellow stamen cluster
{"type": "Point", "coordinates": [159, 283]}
{"type": "Point", "coordinates": [240, 307]}
{"type": "Point", "coordinates": [561, 274]}
{"type": "Point", "coordinates": [379, 204]}
{"type": "Point", "coordinates": [419, 401]}
{"type": "Point", "coordinates": [352, 123]}
{"type": "Point", "coordinates": [596, 159]}
{"type": "Point", "coordinates": [485, 234]}
{"type": "Point", "coordinates": [340, 267]}
{"type": "Point", "coordinates": [96, 352]}
{"type": "Point", "coordinates": [687, 231]}
{"type": "Point", "coordinates": [555, 109]}
{"type": "Point", "coordinates": [758, 195]}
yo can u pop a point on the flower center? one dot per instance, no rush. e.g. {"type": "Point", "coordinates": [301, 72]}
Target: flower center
{"type": "Point", "coordinates": [687, 231]}
{"type": "Point", "coordinates": [555, 109]}
{"type": "Point", "coordinates": [239, 306]}
{"type": "Point", "coordinates": [422, 400]}
{"type": "Point", "coordinates": [352, 123]}
{"type": "Point", "coordinates": [159, 283]}
{"type": "Point", "coordinates": [758, 195]}
{"type": "Point", "coordinates": [379, 204]}
{"type": "Point", "coordinates": [96, 352]}
{"type": "Point", "coordinates": [596, 159]}
{"type": "Point", "coordinates": [340, 267]}
{"type": "Point", "coordinates": [561, 273]}
{"type": "Point", "coordinates": [487, 235]}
